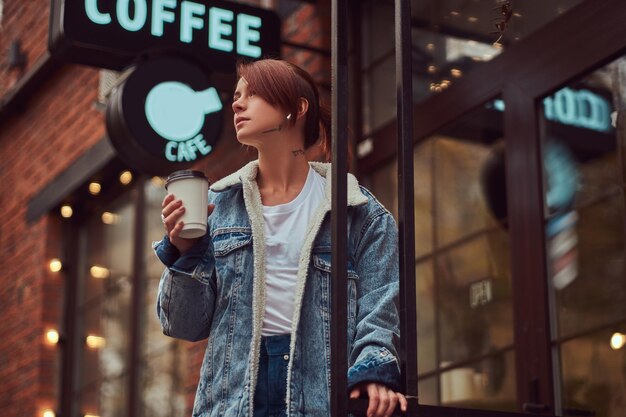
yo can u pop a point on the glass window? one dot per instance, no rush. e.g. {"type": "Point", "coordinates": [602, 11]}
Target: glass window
{"type": "Point", "coordinates": [593, 373]}
{"type": "Point", "coordinates": [105, 277]}
{"type": "Point", "coordinates": [487, 384]}
{"type": "Point", "coordinates": [585, 227]}
{"type": "Point", "coordinates": [463, 280]}
{"type": "Point", "coordinates": [474, 298]}
{"type": "Point", "coordinates": [164, 359]}
{"type": "Point", "coordinates": [449, 39]}
{"type": "Point", "coordinates": [105, 330]}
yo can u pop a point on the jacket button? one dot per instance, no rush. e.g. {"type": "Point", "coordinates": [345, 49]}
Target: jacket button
{"type": "Point", "coordinates": [383, 353]}
{"type": "Point", "coordinates": [286, 357]}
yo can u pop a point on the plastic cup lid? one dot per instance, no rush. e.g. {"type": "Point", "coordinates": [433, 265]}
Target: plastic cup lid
{"type": "Point", "coordinates": [184, 174]}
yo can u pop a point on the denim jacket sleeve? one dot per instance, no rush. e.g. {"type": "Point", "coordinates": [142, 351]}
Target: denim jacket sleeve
{"type": "Point", "coordinates": [186, 294]}
{"type": "Point", "coordinates": [374, 357]}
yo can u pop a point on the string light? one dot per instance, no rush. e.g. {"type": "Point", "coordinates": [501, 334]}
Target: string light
{"type": "Point", "coordinates": [440, 86]}
{"type": "Point", "coordinates": [126, 177]}
{"type": "Point", "coordinates": [52, 336]}
{"type": "Point", "coordinates": [455, 72]}
{"type": "Point", "coordinates": [157, 181]}
{"type": "Point", "coordinates": [94, 188]}
{"type": "Point", "coordinates": [95, 342]}
{"type": "Point", "coordinates": [617, 341]}
{"type": "Point", "coordinates": [98, 271]}
{"type": "Point", "coordinates": [66, 211]}
{"type": "Point", "coordinates": [48, 413]}
{"type": "Point", "coordinates": [110, 218]}
{"type": "Point", "coordinates": [55, 265]}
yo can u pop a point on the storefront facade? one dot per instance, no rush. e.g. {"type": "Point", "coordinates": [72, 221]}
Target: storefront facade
{"type": "Point", "coordinates": [519, 210]}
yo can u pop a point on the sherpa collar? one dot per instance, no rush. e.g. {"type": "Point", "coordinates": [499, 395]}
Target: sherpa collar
{"type": "Point", "coordinates": [249, 173]}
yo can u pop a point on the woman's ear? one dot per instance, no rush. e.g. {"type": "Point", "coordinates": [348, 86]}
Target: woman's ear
{"type": "Point", "coordinates": [303, 106]}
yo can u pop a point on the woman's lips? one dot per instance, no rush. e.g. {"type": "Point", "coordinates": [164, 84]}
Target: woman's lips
{"type": "Point", "coordinates": [239, 120]}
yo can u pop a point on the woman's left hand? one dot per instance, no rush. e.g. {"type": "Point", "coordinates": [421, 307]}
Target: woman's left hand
{"type": "Point", "coordinates": [383, 400]}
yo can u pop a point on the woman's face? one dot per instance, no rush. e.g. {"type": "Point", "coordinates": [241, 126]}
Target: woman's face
{"type": "Point", "coordinates": [254, 118]}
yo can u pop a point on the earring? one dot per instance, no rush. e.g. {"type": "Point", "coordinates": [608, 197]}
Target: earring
{"type": "Point", "coordinates": [289, 116]}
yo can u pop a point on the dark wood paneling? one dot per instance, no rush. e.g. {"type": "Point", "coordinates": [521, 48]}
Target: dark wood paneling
{"type": "Point", "coordinates": [527, 243]}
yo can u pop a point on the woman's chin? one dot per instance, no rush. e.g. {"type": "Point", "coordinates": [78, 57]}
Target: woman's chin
{"type": "Point", "coordinates": [246, 139]}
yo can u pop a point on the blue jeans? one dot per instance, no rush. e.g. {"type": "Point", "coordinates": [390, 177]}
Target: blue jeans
{"type": "Point", "coordinates": [271, 387]}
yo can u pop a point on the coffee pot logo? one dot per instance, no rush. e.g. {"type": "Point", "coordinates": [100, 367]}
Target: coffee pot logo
{"type": "Point", "coordinates": [177, 112]}
{"type": "Point", "coordinates": [165, 116]}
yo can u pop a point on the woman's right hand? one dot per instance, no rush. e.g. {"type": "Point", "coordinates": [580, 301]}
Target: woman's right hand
{"type": "Point", "coordinates": [171, 212]}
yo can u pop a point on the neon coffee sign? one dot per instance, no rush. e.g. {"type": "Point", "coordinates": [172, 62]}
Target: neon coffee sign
{"type": "Point", "coordinates": [111, 33]}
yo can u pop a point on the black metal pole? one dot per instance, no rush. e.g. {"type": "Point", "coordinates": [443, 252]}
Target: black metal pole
{"type": "Point", "coordinates": [138, 296]}
{"type": "Point", "coordinates": [338, 324]}
{"type": "Point", "coordinates": [406, 210]}
{"type": "Point", "coordinates": [71, 345]}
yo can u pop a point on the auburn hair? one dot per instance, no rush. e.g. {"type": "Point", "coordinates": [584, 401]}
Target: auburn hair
{"type": "Point", "coordinates": [283, 84]}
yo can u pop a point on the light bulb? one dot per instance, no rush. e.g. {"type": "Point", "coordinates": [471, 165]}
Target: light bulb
{"type": "Point", "coordinates": [66, 211]}
{"type": "Point", "coordinates": [52, 336]}
{"type": "Point", "coordinates": [157, 182]}
{"type": "Point", "coordinates": [109, 218]}
{"type": "Point", "coordinates": [617, 341]}
{"type": "Point", "coordinates": [55, 265]}
{"type": "Point", "coordinates": [94, 188]}
{"type": "Point", "coordinates": [95, 342]}
{"type": "Point", "coordinates": [126, 177]}
{"type": "Point", "coordinates": [98, 271]}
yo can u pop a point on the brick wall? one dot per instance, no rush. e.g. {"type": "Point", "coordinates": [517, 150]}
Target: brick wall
{"type": "Point", "coordinates": [57, 125]}
{"type": "Point", "coordinates": [26, 21]}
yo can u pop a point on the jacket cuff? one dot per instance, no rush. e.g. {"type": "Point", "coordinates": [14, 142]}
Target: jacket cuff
{"type": "Point", "coordinates": [165, 251]}
{"type": "Point", "coordinates": [380, 366]}
{"type": "Point", "coordinates": [186, 263]}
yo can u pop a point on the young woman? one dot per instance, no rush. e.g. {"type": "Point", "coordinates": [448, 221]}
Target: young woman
{"type": "Point", "coordinates": [257, 285]}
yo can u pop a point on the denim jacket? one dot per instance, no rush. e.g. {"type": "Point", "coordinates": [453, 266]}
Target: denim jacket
{"type": "Point", "coordinates": [216, 290]}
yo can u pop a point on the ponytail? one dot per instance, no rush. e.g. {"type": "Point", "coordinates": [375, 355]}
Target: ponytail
{"type": "Point", "coordinates": [325, 127]}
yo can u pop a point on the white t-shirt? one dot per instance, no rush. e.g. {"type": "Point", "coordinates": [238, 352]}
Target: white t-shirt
{"type": "Point", "coordinates": [285, 229]}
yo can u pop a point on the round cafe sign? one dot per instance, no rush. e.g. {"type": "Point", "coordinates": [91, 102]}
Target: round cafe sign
{"type": "Point", "coordinates": [165, 116]}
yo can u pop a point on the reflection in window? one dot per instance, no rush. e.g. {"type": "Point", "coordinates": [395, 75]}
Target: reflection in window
{"type": "Point", "coordinates": [585, 227]}
{"type": "Point", "coordinates": [105, 310]}
{"type": "Point", "coordinates": [593, 373]}
{"type": "Point", "coordinates": [463, 280]}
{"type": "Point", "coordinates": [107, 243]}
{"type": "Point", "coordinates": [164, 359]}
{"type": "Point", "coordinates": [449, 40]}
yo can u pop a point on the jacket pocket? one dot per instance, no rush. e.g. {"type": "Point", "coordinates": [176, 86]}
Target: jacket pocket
{"type": "Point", "coordinates": [322, 265]}
{"type": "Point", "coordinates": [227, 240]}
{"type": "Point", "coordinates": [233, 259]}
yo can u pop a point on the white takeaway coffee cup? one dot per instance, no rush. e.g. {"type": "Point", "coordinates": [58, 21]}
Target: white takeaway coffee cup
{"type": "Point", "coordinates": [192, 188]}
